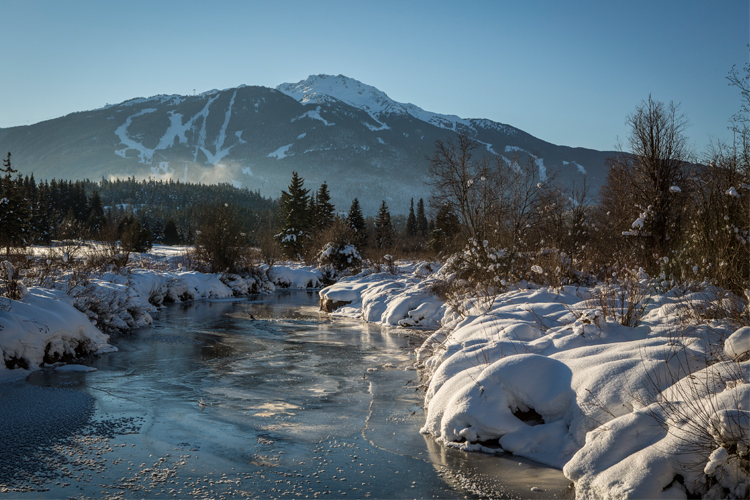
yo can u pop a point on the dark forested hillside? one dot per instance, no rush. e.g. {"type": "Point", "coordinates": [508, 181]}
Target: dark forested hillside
{"type": "Point", "coordinates": [60, 209]}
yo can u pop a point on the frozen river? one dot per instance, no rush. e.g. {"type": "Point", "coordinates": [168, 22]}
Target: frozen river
{"type": "Point", "coordinates": [209, 403]}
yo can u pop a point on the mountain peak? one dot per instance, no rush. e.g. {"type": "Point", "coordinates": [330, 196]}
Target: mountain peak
{"type": "Point", "coordinates": [317, 89]}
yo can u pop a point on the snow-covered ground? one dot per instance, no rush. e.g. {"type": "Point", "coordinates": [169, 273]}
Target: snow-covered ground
{"type": "Point", "coordinates": [653, 411]}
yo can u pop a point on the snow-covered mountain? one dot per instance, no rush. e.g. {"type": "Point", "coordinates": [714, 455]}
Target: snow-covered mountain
{"type": "Point", "coordinates": [318, 89]}
{"type": "Point", "coordinates": [327, 128]}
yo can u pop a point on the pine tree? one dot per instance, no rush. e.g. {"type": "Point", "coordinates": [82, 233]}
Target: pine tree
{"type": "Point", "coordinates": [41, 221]}
{"type": "Point", "coordinates": [356, 222]}
{"type": "Point", "coordinates": [411, 221]}
{"type": "Point", "coordinates": [447, 226]}
{"type": "Point", "coordinates": [96, 220]}
{"type": "Point", "coordinates": [312, 213]}
{"type": "Point", "coordinates": [324, 209]}
{"type": "Point", "coordinates": [293, 208]}
{"type": "Point", "coordinates": [171, 234]}
{"type": "Point", "coordinates": [383, 227]}
{"type": "Point", "coordinates": [422, 224]}
{"type": "Point", "coordinates": [14, 211]}
{"type": "Point", "coordinates": [133, 236]}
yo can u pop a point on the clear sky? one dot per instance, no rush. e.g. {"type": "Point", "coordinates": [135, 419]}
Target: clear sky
{"type": "Point", "coordinates": [568, 72]}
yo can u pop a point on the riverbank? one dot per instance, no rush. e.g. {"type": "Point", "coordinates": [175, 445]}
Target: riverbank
{"type": "Point", "coordinates": [652, 408]}
{"type": "Point", "coordinates": [75, 312]}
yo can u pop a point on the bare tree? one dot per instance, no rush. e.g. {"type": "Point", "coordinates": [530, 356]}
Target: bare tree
{"type": "Point", "coordinates": [495, 199]}
{"type": "Point", "coordinates": [456, 179]}
{"type": "Point", "coordinates": [520, 193]}
{"type": "Point", "coordinates": [654, 172]}
{"type": "Point", "coordinates": [740, 123]}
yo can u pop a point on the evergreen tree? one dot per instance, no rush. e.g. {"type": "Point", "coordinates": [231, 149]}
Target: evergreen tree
{"type": "Point", "coordinates": [312, 213]}
{"type": "Point", "coordinates": [356, 222]}
{"type": "Point", "coordinates": [411, 221]}
{"type": "Point", "coordinates": [14, 211]}
{"type": "Point", "coordinates": [40, 221]}
{"type": "Point", "coordinates": [324, 209]}
{"type": "Point", "coordinates": [96, 220]}
{"type": "Point", "coordinates": [447, 226]}
{"type": "Point", "coordinates": [295, 219]}
{"type": "Point", "coordinates": [133, 236]}
{"type": "Point", "coordinates": [79, 202]}
{"type": "Point", "coordinates": [383, 227]}
{"type": "Point", "coordinates": [171, 234]}
{"type": "Point", "coordinates": [422, 224]}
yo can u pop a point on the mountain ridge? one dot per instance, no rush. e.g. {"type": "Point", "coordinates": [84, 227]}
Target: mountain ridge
{"type": "Point", "coordinates": [328, 128]}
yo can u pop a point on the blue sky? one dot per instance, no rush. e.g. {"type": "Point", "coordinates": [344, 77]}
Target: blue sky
{"type": "Point", "coordinates": [568, 72]}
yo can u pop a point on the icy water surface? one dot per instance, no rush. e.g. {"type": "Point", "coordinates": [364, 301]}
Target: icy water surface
{"type": "Point", "coordinates": [210, 403]}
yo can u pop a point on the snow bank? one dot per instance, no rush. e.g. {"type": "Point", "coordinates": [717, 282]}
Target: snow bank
{"type": "Point", "coordinates": [42, 328]}
{"type": "Point", "coordinates": [387, 299]}
{"type": "Point", "coordinates": [295, 277]}
{"type": "Point", "coordinates": [657, 411]}
{"type": "Point", "coordinates": [65, 322]}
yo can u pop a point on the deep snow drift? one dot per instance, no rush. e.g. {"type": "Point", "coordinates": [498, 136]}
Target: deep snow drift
{"type": "Point", "coordinates": [655, 411]}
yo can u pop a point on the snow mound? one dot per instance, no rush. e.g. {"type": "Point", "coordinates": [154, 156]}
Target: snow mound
{"type": "Point", "coordinates": [295, 277]}
{"type": "Point", "coordinates": [42, 328]}
{"type": "Point", "coordinates": [738, 344]}
{"type": "Point", "coordinates": [480, 406]}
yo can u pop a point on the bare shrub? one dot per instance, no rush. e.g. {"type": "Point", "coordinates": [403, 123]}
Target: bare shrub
{"type": "Point", "coordinates": [623, 298]}
{"type": "Point", "coordinates": [704, 302]}
{"type": "Point", "coordinates": [270, 251]}
{"type": "Point", "coordinates": [221, 240]}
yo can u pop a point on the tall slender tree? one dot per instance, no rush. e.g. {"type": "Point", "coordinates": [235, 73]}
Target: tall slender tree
{"type": "Point", "coordinates": [293, 208]}
{"type": "Point", "coordinates": [411, 221]}
{"type": "Point", "coordinates": [356, 222]}
{"type": "Point", "coordinates": [383, 227]}
{"type": "Point", "coordinates": [96, 220]}
{"type": "Point", "coordinates": [422, 224]}
{"type": "Point", "coordinates": [324, 209]}
{"type": "Point", "coordinates": [14, 211]}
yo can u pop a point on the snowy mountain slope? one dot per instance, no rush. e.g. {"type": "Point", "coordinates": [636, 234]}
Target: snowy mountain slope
{"type": "Point", "coordinates": [327, 128]}
{"type": "Point", "coordinates": [321, 88]}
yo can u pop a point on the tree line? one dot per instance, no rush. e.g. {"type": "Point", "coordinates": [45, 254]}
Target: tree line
{"type": "Point", "coordinates": [148, 211]}
{"type": "Point", "coordinates": [675, 213]}
{"type": "Point", "coordinates": [308, 220]}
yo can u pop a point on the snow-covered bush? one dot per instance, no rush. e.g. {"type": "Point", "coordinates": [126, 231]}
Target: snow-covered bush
{"type": "Point", "coordinates": [340, 256]}
{"type": "Point", "coordinates": [10, 284]}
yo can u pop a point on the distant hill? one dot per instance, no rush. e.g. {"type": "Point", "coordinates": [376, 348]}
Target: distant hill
{"type": "Point", "coordinates": [328, 128]}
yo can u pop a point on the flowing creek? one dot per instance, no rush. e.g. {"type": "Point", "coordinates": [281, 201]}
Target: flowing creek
{"type": "Point", "coordinates": [210, 403]}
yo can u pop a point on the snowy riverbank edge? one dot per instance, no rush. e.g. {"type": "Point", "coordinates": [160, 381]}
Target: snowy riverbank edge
{"type": "Point", "coordinates": [49, 326]}
{"type": "Point", "coordinates": [657, 411]}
